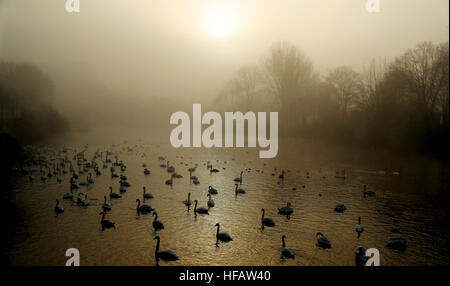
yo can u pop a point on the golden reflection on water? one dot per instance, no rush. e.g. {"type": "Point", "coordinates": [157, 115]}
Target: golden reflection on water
{"type": "Point", "coordinates": [44, 237]}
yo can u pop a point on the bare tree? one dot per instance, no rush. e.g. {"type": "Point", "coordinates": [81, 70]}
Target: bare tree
{"type": "Point", "coordinates": [244, 87]}
{"type": "Point", "coordinates": [347, 86]}
{"type": "Point", "coordinates": [287, 74]}
{"type": "Point", "coordinates": [426, 67]}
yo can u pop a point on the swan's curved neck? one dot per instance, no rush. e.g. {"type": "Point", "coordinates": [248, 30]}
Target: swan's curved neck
{"type": "Point", "coordinates": [139, 203]}
{"type": "Point", "coordinates": [262, 215]}
{"type": "Point", "coordinates": [103, 216]}
{"type": "Point", "coordinates": [218, 228]}
{"type": "Point", "coordinates": [157, 246]}
{"type": "Point", "coordinates": [284, 244]}
{"type": "Point", "coordinates": [195, 206]}
{"type": "Point", "coordinates": [156, 216]}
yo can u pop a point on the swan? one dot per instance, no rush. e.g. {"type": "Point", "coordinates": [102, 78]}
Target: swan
{"type": "Point", "coordinates": [200, 210]}
{"type": "Point", "coordinates": [122, 189]}
{"type": "Point", "coordinates": [106, 206]}
{"type": "Point", "coordinates": [322, 241]}
{"type": "Point", "coordinates": [124, 182]}
{"type": "Point", "coordinates": [170, 181]}
{"type": "Point", "coordinates": [69, 195]}
{"type": "Point", "coordinates": [359, 228]}
{"type": "Point", "coordinates": [195, 181]}
{"type": "Point", "coordinates": [188, 202]}
{"type": "Point", "coordinates": [266, 221]}
{"type": "Point", "coordinates": [239, 191]}
{"type": "Point", "coordinates": [239, 180]}
{"type": "Point", "coordinates": [213, 170]}
{"type": "Point", "coordinates": [106, 223]}
{"type": "Point", "coordinates": [91, 180]}
{"type": "Point", "coordinates": [113, 195]}
{"type": "Point", "coordinates": [210, 201]}
{"type": "Point", "coordinates": [59, 178]}
{"type": "Point", "coordinates": [342, 175]}
{"type": "Point", "coordinates": [144, 208]}
{"type": "Point", "coordinates": [286, 210]}
{"type": "Point", "coordinates": [147, 195]}
{"type": "Point", "coordinates": [212, 191]}
{"type": "Point", "coordinates": [157, 224]}
{"type": "Point", "coordinates": [170, 169]}
{"type": "Point", "coordinates": [80, 198]}
{"type": "Point", "coordinates": [85, 201]}
{"type": "Point", "coordinates": [340, 208]}
{"type": "Point", "coordinates": [368, 192]}
{"type": "Point", "coordinates": [360, 256]}
{"type": "Point", "coordinates": [281, 176]}
{"type": "Point", "coordinates": [83, 183]}
{"type": "Point", "coordinates": [166, 255]}
{"type": "Point", "coordinates": [286, 251]}
{"type": "Point", "coordinates": [58, 208]}
{"type": "Point", "coordinates": [397, 243]}
{"type": "Point", "coordinates": [222, 236]}
{"type": "Point", "coordinates": [146, 171]}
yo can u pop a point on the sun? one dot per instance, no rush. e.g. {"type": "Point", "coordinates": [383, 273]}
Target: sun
{"type": "Point", "coordinates": [220, 24]}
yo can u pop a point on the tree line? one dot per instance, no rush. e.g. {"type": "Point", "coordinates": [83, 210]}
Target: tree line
{"type": "Point", "coordinates": [401, 103]}
{"type": "Point", "coordinates": [26, 109]}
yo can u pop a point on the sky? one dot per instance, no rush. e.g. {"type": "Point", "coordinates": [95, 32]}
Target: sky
{"type": "Point", "coordinates": [192, 48]}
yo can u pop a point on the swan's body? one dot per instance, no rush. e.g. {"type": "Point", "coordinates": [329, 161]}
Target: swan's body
{"type": "Point", "coordinates": [368, 192]}
{"type": "Point", "coordinates": [360, 256]}
{"type": "Point", "coordinates": [397, 243]}
{"type": "Point", "coordinates": [239, 191]}
{"type": "Point", "coordinates": [239, 180]}
{"type": "Point", "coordinates": [340, 208]}
{"type": "Point", "coordinates": [286, 251]}
{"type": "Point", "coordinates": [322, 241]}
{"type": "Point", "coordinates": [286, 210]}
{"type": "Point", "coordinates": [69, 195]}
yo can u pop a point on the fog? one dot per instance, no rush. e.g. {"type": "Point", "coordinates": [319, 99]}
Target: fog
{"type": "Point", "coordinates": [110, 61]}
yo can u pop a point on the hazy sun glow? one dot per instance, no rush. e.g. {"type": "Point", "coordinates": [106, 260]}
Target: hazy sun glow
{"type": "Point", "coordinates": [220, 24]}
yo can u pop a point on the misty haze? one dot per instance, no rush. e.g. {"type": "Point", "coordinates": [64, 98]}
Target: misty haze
{"type": "Point", "coordinates": [359, 157]}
